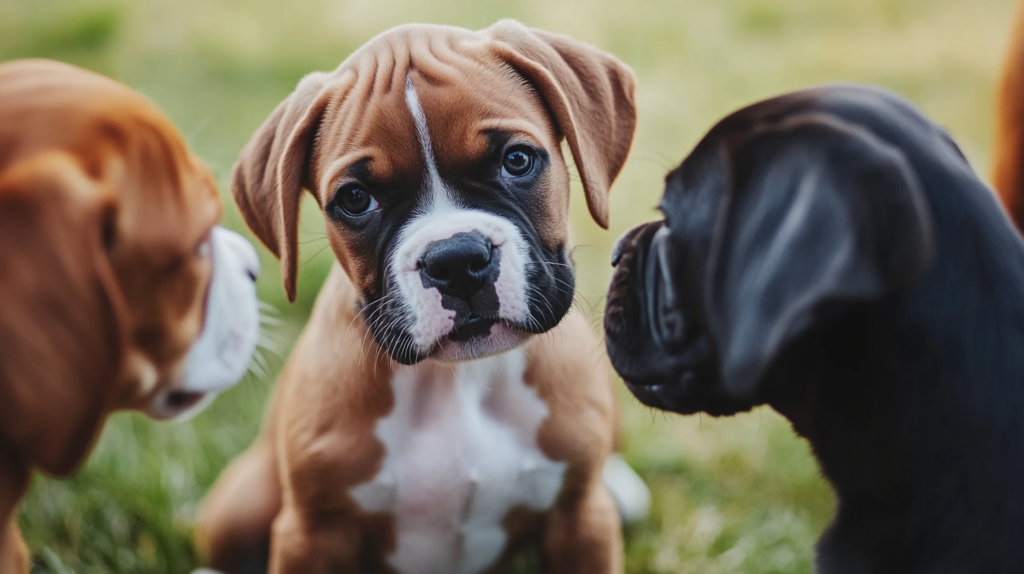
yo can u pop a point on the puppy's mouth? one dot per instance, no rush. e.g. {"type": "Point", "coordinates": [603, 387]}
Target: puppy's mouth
{"type": "Point", "coordinates": [654, 340]}
{"type": "Point", "coordinates": [478, 337]}
{"type": "Point", "coordinates": [472, 327]}
{"type": "Point", "coordinates": [178, 404]}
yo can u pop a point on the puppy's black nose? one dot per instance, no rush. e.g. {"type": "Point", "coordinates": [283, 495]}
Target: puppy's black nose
{"type": "Point", "coordinates": [459, 265]}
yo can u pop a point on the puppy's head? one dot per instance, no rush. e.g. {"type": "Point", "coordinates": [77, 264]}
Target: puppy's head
{"type": "Point", "coordinates": [785, 216]}
{"type": "Point", "coordinates": [119, 289]}
{"type": "Point", "coordinates": [434, 154]}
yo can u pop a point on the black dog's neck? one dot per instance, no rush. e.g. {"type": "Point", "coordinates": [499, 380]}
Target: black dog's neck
{"type": "Point", "coordinates": [915, 411]}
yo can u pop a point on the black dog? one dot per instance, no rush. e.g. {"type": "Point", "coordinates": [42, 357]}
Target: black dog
{"type": "Point", "coordinates": [831, 253]}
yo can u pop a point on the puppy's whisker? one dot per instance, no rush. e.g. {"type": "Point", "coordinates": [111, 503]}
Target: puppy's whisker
{"type": "Point", "coordinates": [268, 308]}
{"type": "Point", "coordinates": [575, 269]}
{"type": "Point", "coordinates": [272, 321]}
{"type": "Point", "coordinates": [315, 255]}
{"type": "Point", "coordinates": [581, 246]}
{"type": "Point", "coordinates": [270, 347]}
{"type": "Point", "coordinates": [387, 342]}
{"type": "Point", "coordinates": [258, 366]}
{"type": "Point", "coordinates": [371, 323]}
{"type": "Point", "coordinates": [544, 299]}
{"type": "Point", "coordinates": [659, 160]}
{"type": "Point", "coordinates": [270, 341]}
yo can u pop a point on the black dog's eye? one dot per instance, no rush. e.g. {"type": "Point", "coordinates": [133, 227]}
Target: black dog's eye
{"type": "Point", "coordinates": [354, 201]}
{"type": "Point", "coordinates": [518, 162]}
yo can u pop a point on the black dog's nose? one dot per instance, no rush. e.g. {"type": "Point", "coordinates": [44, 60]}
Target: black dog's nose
{"type": "Point", "coordinates": [459, 265]}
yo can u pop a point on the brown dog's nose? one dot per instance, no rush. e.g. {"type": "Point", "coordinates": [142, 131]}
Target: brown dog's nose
{"type": "Point", "coordinates": [459, 265]}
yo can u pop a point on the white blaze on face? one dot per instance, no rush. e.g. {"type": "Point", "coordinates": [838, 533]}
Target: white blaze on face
{"type": "Point", "coordinates": [440, 217]}
{"type": "Point", "coordinates": [220, 356]}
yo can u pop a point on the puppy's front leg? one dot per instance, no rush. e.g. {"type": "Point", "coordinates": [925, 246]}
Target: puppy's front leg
{"type": "Point", "coordinates": [13, 553]}
{"type": "Point", "coordinates": [14, 481]}
{"type": "Point", "coordinates": [303, 545]}
{"type": "Point", "coordinates": [583, 535]}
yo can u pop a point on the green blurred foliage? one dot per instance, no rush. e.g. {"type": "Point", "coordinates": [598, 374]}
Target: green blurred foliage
{"type": "Point", "coordinates": [741, 494]}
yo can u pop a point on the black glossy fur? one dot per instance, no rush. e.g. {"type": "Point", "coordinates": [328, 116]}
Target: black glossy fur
{"type": "Point", "coordinates": [832, 254]}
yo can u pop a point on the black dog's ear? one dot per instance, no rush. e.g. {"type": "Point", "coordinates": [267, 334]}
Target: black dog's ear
{"type": "Point", "coordinates": [820, 212]}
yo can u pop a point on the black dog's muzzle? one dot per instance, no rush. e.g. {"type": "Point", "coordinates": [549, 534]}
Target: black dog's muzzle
{"type": "Point", "coordinates": [654, 330]}
{"type": "Point", "coordinates": [644, 320]}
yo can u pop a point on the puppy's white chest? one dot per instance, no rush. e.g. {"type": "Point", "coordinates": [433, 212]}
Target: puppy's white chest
{"type": "Point", "coordinates": [461, 451]}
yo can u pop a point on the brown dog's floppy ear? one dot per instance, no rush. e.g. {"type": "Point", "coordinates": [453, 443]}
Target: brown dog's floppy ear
{"type": "Point", "coordinates": [63, 322]}
{"type": "Point", "coordinates": [268, 177]}
{"type": "Point", "coordinates": [820, 213]}
{"type": "Point", "coordinates": [590, 93]}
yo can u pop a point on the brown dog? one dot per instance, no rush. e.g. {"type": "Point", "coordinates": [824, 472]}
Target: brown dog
{"type": "Point", "coordinates": [419, 425]}
{"type": "Point", "coordinates": [1008, 151]}
{"type": "Point", "coordinates": [118, 290]}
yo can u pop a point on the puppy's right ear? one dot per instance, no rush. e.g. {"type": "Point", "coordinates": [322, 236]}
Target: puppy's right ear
{"type": "Point", "coordinates": [820, 213]}
{"type": "Point", "coordinates": [590, 94]}
{"type": "Point", "coordinates": [268, 178]}
{"type": "Point", "coordinates": [63, 321]}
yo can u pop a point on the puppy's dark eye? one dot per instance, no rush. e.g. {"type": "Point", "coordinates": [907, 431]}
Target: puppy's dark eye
{"type": "Point", "coordinates": [353, 201]}
{"type": "Point", "coordinates": [518, 162]}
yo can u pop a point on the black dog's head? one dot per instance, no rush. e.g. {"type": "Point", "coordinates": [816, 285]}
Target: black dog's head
{"type": "Point", "coordinates": [786, 215]}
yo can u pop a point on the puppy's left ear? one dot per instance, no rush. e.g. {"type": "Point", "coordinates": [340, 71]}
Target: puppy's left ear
{"type": "Point", "coordinates": [821, 214]}
{"type": "Point", "coordinates": [590, 93]}
{"type": "Point", "coordinates": [267, 178]}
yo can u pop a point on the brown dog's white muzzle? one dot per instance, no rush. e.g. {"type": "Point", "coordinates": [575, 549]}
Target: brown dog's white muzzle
{"type": "Point", "coordinates": [220, 357]}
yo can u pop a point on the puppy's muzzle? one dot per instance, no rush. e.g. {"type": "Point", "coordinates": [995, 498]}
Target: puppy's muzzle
{"type": "Point", "coordinates": [463, 268]}
{"type": "Point", "coordinates": [220, 357]}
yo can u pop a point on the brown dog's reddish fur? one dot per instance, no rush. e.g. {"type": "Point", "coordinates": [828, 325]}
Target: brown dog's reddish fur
{"type": "Point", "coordinates": [1008, 150]}
{"type": "Point", "coordinates": [101, 209]}
{"type": "Point", "coordinates": [318, 440]}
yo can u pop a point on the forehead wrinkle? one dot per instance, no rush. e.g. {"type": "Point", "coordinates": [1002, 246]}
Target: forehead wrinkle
{"type": "Point", "coordinates": [518, 130]}
{"type": "Point", "coordinates": [360, 124]}
{"type": "Point", "coordinates": [496, 100]}
{"type": "Point", "coordinates": [339, 169]}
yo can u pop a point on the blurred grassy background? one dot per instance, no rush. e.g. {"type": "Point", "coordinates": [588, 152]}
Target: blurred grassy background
{"type": "Point", "coordinates": [732, 495]}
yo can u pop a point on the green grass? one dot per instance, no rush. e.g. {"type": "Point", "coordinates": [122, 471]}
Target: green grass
{"type": "Point", "coordinates": [731, 495]}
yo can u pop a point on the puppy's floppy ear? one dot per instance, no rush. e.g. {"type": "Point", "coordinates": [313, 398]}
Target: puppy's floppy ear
{"type": "Point", "coordinates": [820, 213]}
{"type": "Point", "coordinates": [63, 322]}
{"type": "Point", "coordinates": [590, 93]}
{"type": "Point", "coordinates": [267, 179]}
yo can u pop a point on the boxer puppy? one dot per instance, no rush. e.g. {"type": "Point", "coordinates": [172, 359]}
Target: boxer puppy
{"type": "Point", "coordinates": [831, 253]}
{"type": "Point", "coordinates": [119, 291]}
{"type": "Point", "coordinates": [420, 425]}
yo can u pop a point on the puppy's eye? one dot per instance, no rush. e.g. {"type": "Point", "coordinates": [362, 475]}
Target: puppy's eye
{"type": "Point", "coordinates": [354, 201]}
{"type": "Point", "coordinates": [518, 161]}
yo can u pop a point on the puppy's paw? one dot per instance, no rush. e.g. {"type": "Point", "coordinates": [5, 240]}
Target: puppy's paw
{"type": "Point", "coordinates": [632, 497]}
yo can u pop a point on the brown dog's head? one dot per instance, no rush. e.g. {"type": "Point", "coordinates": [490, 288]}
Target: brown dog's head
{"type": "Point", "coordinates": [785, 216]}
{"type": "Point", "coordinates": [434, 153]}
{"type": "Point", "coordinates": [118, 290]}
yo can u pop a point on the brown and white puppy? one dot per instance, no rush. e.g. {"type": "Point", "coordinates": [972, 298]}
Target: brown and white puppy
{"type": "Point", "coordinates": [420, 425]}
{"type": "Point", "coordinates": [118, 290]}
